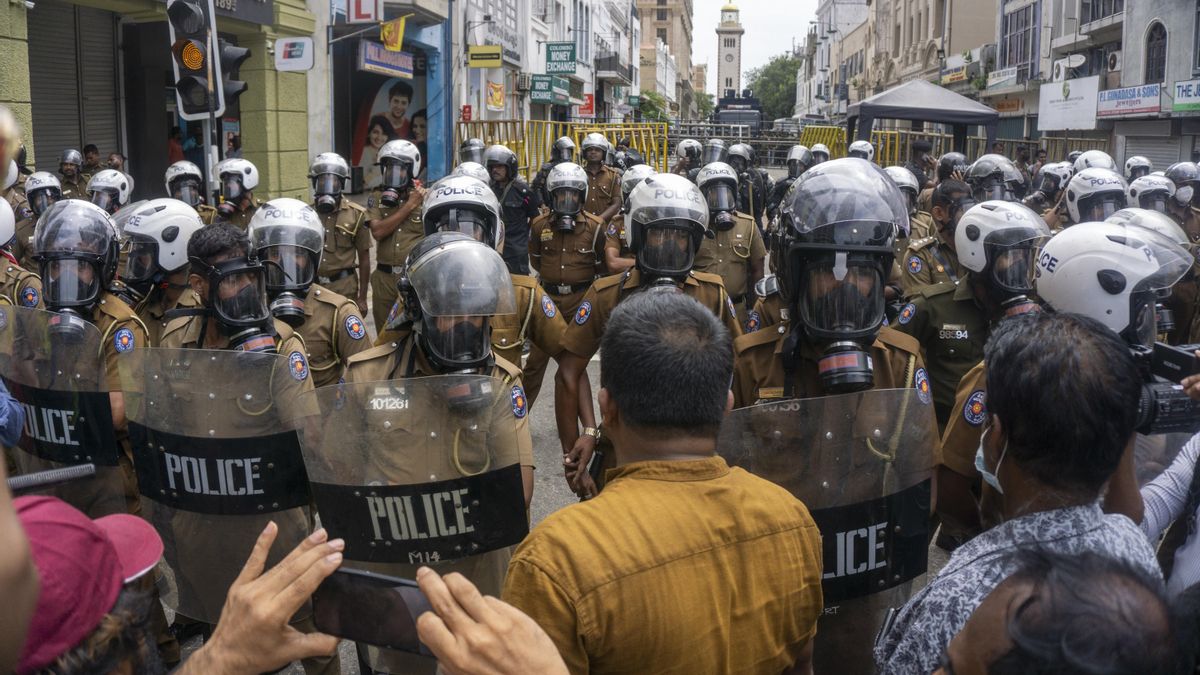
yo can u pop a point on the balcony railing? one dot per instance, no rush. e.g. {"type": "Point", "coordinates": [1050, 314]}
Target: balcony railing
{"type": "Point", "coordinates": [612, 67]}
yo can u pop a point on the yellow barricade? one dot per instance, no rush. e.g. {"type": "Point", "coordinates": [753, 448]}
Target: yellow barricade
{"type": "Point", "coordinates": [532, 140]}
{"type": "Point", "coordinates": [887, 143]}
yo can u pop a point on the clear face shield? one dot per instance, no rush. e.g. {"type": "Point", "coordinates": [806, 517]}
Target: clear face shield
{"type": "Point", "coordinates": [992, 188]}
{"type": "Point", "coordinates": [231, 187]}
{"type": "Point", "coordinates": [141, 264]}
{"type": "Point", "coordinates": [1137, 172]}
{"type": "Point", "coordinates": [738, 163]}
{"type": "Point", "coordinates": [563, 153]}
{"type": "Point", "coordinates": [1049, 184]}
{"type": "Point", "coordinates": [40, 200]}
{"type": "Point", "coordinates": [288, 268]}
{"type": "Point", "coordinates": [794, 168]}
{"type": "Point", "coordinates": [468, 221]}
{"type": "Point", "coordinates": [843, 294]}
{"type": "Point", "coordinates": [70, 282]}
{"type": "Point", "coordinates": [713, 153]}
{"type": "Point", "coordinates": [566, 201]}
{"type": "Point", "coordinates": [105, 199]}
{"type": "Point", "coordinates": [237, 291]}
{"type": "Point", "coordinates": [1154, 201]}
{"type": "Point", "coordinates": [187, 190]}
{"type": "Point", "coordinates": [668, 249]}
{"type": "Point", "coordinates": [1100, 206]}
{"type": "Point", "coordinates": [469, 154]}
{"type": "Point", "coordinates": [396, 175]}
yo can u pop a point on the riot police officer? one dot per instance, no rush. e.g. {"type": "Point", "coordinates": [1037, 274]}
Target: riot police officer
{"type": "Point", "coordinates": [920, 222]}
{"type": "Point", "coordinates": [288, 236]}
{"type": "Point", "coordinates": [238, 178]}
{"type": "Point", "coordinates": [109, 189]}
{"type": "Point", "coordinates": [471, 150]}
{"type": "Point", "coordinates": [714, 150]}
{"type": "Point", "coordinates": [1136, 167]}
{"type": "Point", "coordinates": [394, 218]}
{"type": "Point", "coordinates": [518, 204]}
{"type": "Point", "coordinates": [563, 150]}
{"type": "Point", "coordinates": [42, 189]}
{"type": "Point", "coordinates": [1151, 192]}
{"type": "Point", "coordinates": [185, 183]}
{"type": "Point", "coordinates": [736, 251]}
{"type": "Point", "coordinates": [1095, 194]}
{"type": "Point", "coordinates": [950, 165]}
{"type": "Point", "coordinates": [687, 156]}
{"type": "Point", "coordinates": [752, 193]}
{"type": "Point", "coordinates": [18, 286]}
{"type": "Point", "coordinates": [617, 256]}
{"type": "Point", "coordinates": [932, 260]}
{"type": "Point", "coordinates": [833, 257]}
{"type": "Point", "coordinates": [990, 178]}
{"type": "Point", "coordinates": [1050, 182]}
{"type": "Point", "coordinates": [668, 220]}
{"type": "Point", "coordinates": [604, 182]}
{"type": "Point", "coordinates": [156, 269]}
{"type": "Point", "coordinates": [820, 153]}
{"type": "Point", "coordinates": [799, 160]}
{"type": "Point", "coordinates": [862, 150]}
{"type": "Point", "coordinates": [70, 167]}
{"type": "Point", "coordinates": [346, 261]}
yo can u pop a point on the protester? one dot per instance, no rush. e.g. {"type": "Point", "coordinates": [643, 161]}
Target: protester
{"type": "Point", "coordinates": [681, 563]}
{"type": "Point", "coordinates": [12, 418]}
{"type": "Point", "coordinates": [1062, 397]}
{"type": "Point", "coordinates": [20, 584]}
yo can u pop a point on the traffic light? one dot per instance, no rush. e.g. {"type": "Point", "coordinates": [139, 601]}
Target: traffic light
{"type": "Point", "coordinates": [193, 29]}
{"type": "Point", "coordinates": [231, 56]}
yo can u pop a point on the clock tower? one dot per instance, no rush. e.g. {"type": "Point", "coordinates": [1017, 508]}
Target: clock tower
{"type": "Point", "coordinates": [729, 51]}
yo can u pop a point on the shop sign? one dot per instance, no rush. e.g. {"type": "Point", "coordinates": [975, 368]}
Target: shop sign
{"type": "Point", "coordinates": [484, 56]}
{"type": "Point", "coordinates": [502, 29]}
{"type": "Point", "coordinates": [495, 96]}
{"type": "Point", "coordinates": [635, 101]}
{"type": "Point", "coordinates": [1070, 104]}
{"type": "Point", "coordinates": [549, 89]}
{"type": "Point", "coordinates": [952, 75]}
{"type": "Point", "coordinates": [466, 113]}
{"type": "Point", "coordinates": [1005, 77]}
{"type": "Point", "coordinates": [362, 11]}
{"type": "Point", "coordinates": [588, 107]}
{"type": "Point", "coordinates": [1009, 105]}
{"type": "Point", "coordinates": [293, 54]}
{"type": "Point", "coordinates": [1145, 99]}
{"type": "Point", "coordinates": [560, 58]}
{"type": "Point", "coordinates": [1187, 96]}
{"type": "Point", "coordinates": [373, 58]}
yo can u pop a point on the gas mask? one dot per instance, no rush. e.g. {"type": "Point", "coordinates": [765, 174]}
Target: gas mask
{"type": "Point", "coordinates": [187, 190]}
{"type": "Point", "coordinates": [328, 190]}
{"type": "Point", "coordinates": [1143, 325]}
{"type": "Point", "coordinates": [396, 180]}
{"type": "Point", "coordinates": [456, 344]}
{"type": "Point", "coordinates": [1008, 279]}
{"type": "Point", "coordinates": [738, 163]}
{"type": "Point", "coordinates": [232, 193]}
{"type": "Point", "coordinates": [992, 188]}
{"type": "Point", "coordinates": [566, 204]}
{"type": "Point", "coordinates": [841, 308]}
{"type": "Point", "coordinates": [722, 203]}
{"type": "Point", "coordinates": [290, 271]}
{"type": "Point", "coordinates": [237, 300]}
{"type": "Point", "coordinates": [668, 251]}
{"type": "Point", "coordinates": [71, 287]}
{"type": "Point", "coordinates": [956, 209]}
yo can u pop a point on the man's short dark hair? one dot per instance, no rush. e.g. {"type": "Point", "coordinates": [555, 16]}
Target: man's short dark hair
{"type": "Point", "coordinates": [91, 147]}
{"type": "Point", "coordinates": [1066, 389]}
{"type": "Point", "coordinates": [216, 240]}
{"type": "Point", "coordinates": [667, 362]}
{"type": "Point", "coordinates": [1090, 613]}
{"type": "Point", "coordinates": [948, 192]}
{"type": "Point", "coordinates": [401, 88]}
{"type": "Point", "coordinates": [922, 145]}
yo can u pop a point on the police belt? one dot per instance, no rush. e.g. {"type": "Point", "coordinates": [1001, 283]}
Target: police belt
{"type": "Point", "coordinates": [336, 276]}
{"type": "Point", "coordinates": [388, 269]}
{"type": "Point", "coordinates": [566, 289]}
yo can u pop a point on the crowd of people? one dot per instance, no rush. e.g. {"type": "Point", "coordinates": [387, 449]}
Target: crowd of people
{"type": "Point", "coordinates": [1005, 318]}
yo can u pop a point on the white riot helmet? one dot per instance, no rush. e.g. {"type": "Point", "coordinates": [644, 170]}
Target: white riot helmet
{"type": "Point", "coordinates": [998, 241]}
{"type": "Point", "coordinates": [1094, 159]}
{"type": "Point", "coordinates": [690, 149]}
{"type": "Point", "coordinates": [8, 224]}
{"type": "Point", "coordinates": [474, 170]}
{"type": "Point", "coordinates": [1052, 178]}
{"type": "Point", "coordinates": [862, 150]}
{"type": "Point", "coordinates": [567, 184]}
{"type": "Point", "coordinates": [109, 189]}
{"type": "Point", "coordinates": [1111, 273]}
{"type": "Point", "coordinates": [907, 182]}
{"type": "Point", "coordinates": [399, 164]}
{"type": "Point", "coordinates": [593, 140]}
{"type": "Point", "coordinates": [820, 153]}
{"type": "Point", "coordinates": [634, 175]}
{"type": "Point", "coordinates": [328, 174]}
{"type": "Point", "coordinates": [464, 204]}
{"type": "Point", "coordinates": [1151, 192]}
{"type": "Point", "coordinates": [1136, 167]}
{"type": "Point", "coordinates": [1151, 220]}
{"type": "Point", "coordinates": [718, 183]}
{"type": "Point", "coordinates": [1095, 194]}
{"type": "Point", "coordinates": [157, 234]}
{"type": "Point", "coordinates": [237, 177]}
{"type": "Point", "coordinates": [183, 180]}
{"type": "Point", "coordinates": [42, 189]}
{"type": "Point", "coordinates": [10, 178]}
{"type": "Point", "coordinates": [671, 205]}
{"type": "Point", "coordinates": [287, 235]}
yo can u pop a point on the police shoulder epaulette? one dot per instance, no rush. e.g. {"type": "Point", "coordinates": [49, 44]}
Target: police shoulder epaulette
{"type": "Point", "coordinates": [511, 370]}
{"type": "Point", "coordinates": [939, 288]}
{"type": "Point", "coordinates": [708, 277]}
{"type": "Point", "coordinates": [378, 351]}
{"type": "Point", "coordinates": [608, 281]}
{"type": "Point", "coordinates": [750, 341]}
{"type": "Point", "coordinates": [328, 297]}
{"type": "Point", "coordinates": [918, 244]}
{"type": "Point", "coordinates": [894, 338]}
{"type": "Point", "coordinates": [524, 281]}
{"type": "Point", "coordinates": [355, 206]}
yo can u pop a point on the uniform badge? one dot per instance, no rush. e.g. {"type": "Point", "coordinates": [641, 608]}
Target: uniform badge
{"type": "Point", "coordinates": [548, 307]}
{"type": "Point", "coordinates": [975, 409]}
{"type": "Point", "coordinates": [753, 322]}
{"type": "Point", "coordinates": [298, 365]}
{"type": "Point", "coordinates": [29, 296]}
{"type": "Point", "coordinates": [547, 235]}
{"type": "Point", "coordinates": [583, 313]}
{"type": "Point", "coordinates": [612, 229]}
{"type": "Point", "coordinates": [906, 314]}
{"type": "Point", "coordinates": [921, 382]}
{"type": "Point", "coordinates": [370, 202]}
{"type": "Point", "coordinates": [519, 403]}
{"type": "Point", "coordinates": [24, 212]}
{"type": "Point", "coordinates": [915, 265]}
{"type": "Point", "coordinates": [355, 327]}
{"type": "Point", "coordinates": [123, 340]}
{"type": "Point", "coordinates": [392, 314]}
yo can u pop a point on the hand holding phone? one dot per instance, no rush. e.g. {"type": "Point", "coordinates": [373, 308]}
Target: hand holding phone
{"type": "Point", "coordinates": [371, 608]}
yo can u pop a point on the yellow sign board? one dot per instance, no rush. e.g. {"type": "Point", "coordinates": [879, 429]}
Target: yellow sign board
{"type": "Point", "coordinates": [484, 56]}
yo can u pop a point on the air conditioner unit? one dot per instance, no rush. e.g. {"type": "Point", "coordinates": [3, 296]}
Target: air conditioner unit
{"type": "Point", "coordinates": [1058, 72]}
{"type": "Point", "coordinates": [524, 82]}
{"type": "Point", "coordinates": [1114, 61]}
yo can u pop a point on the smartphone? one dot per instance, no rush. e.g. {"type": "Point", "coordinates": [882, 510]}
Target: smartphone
{"type": "Point", "coordinates": [371, 608]}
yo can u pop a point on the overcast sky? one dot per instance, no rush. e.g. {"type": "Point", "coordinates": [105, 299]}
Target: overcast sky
{"type": "Point", "coordinates": [771, 26]}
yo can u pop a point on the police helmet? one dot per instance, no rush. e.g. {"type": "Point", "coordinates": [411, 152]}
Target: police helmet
{"type": "Point", "coordinates": [799, 159]}
{"type": "Point", "coordinates": [1151, 192]}
{"type": "Point", "coordinates": [568, 186]}
{"type": "Point", "coordinates": [109, 189]}
{"type": "Point", "coordinates": [950, 163]}
{"type": "Point", "coordinates": [183, 180]}
{"type": "Point", "coordinates": [714, 150]}
{"type": "Point", "coordinates": [76, 246]}
{"type": "Point", "coordinates": [287, 235]}
{"type": "Point", "coordinates": [503, 156]}
{"type": "Point", "coordinates": [665, 225]}
{"type": "Point", "coordinates": [157, 232]}
{"type": "Point", "coordinates": [42, 189]}
{"type": "Point", "coordinates": [634, 175]}
{"type": "Point", "coordinates": [471, 150]}
{"type": "Point", "coordinates": [1094, 159]}
{"type": "Point", "coordinates": [474, 170]}
{"type": "Point", "coordinates": [563, 150]}
{"type": "Point", "coordinates": [689, 148]}
{"type": "Point", "coordinates": [907, 182]}
{"type": "Point", "coordinates": [820, 153]}
{"type": "Point", "coordinates": [1095, 194]}
{"type": "Point", "coordinates": [861, 150]}
{"type": "Point", "coordinates": [1136, 167]}
{"type": "Point", "coordinates": [463, 204]}
{"type": "Point", "coordinates": [999, 241]}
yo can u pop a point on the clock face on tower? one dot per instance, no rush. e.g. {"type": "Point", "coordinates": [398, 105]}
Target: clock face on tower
{"type": "Point", "coordinates": [729, 58]}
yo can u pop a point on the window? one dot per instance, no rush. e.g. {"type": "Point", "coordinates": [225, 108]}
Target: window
{"type": "Point", "coordinates": [1156, 53]}
{"type": "Point", "coordinates": [1094, 10]}
{"type": "Point", "coordinates": [662, 3]}
{"type": "Point", "coordinates": [662, 34]}
{"type": "Point", "coordinates": [661, 15]}
{"type": "Point", "coordinates": [1017, 37]}
{"type": "Point", "coordinates": [728, 82]}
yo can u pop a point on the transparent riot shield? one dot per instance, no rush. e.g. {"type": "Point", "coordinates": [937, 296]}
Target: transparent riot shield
{"type": "Point", "coordinates": [863, 465]}
{"type": "Point", "coordinates": [421, 471]}
{"type": "Point", "coordinates": [215, 443]}
{"type": "Point", "coordinates": [54, 367]}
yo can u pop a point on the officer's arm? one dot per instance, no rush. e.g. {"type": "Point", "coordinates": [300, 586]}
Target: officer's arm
{"type": "Point", "coordinates": [364, 269]}
{"type": "Point", "coordinates": [572, 368]}
{"type": "Point", "coordinates": [382, 228]}
{"type": "Point", "coordinates": [535, 248]}
{"type": "Point", "coordinates": [612, 258]}
{"type": "Point", "coordinates": [614, 205]}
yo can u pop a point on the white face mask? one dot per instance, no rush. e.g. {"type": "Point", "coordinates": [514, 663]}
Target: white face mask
{"type": "Point", "coordinates": [988, 476]}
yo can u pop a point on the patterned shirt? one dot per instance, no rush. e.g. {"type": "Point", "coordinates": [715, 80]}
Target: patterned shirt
{"type": "Point", "coordinates": [923, 628]}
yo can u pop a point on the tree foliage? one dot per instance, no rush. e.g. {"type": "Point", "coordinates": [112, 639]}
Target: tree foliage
{"type": "Point", "coordinates": [704, 105]}
{"type": "Point", "coordinates": [654, 107]}
{"type": "Point", "coordinates": [775, 85]}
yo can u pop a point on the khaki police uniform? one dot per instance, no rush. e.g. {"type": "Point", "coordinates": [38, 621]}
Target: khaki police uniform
{"type": "Point", "coordinates": [731, 254]}
{"type": "Point", "coordinates": [20, 287]}
{"type": "Point", "coordinates": [208, 214]}
{"type": "Point", "coordinates": [346, 235]}
{"type": "Point", "coordinates": [1183, 301]}
{"type": "Point", "coordinates": [758, 374]}
{"type": "Point", "coordinates": [965, 426]}
{"type": "Point", "coordinates": [614, 238]}
{"type": "Point", "coordinates": [928, 261]}
{"type": "Point", "coordinates": [404, 359]}
{"type": "Point", "coordinates": [240, 218]}
{"type": "Point", "coordinates": [333, 332]}
{"type": "Point", "coordinates": [390, 254]}
{"type": "Point", "coordinates": [921, 225]}
{"type": "Point", "coordinates": [74, 189]}
{"type": "Point", "coordinates": [22, 245]}
{"type": "Point", "coordinates": [602, 187]}
{"type": "Point", "coordinates": [925, 200]}
{"type": "Point", "coordinates": [586, 326]}
{"type": "Point", "coordinates": [952, 328]}
{"type": "Point", "coordinates": [770, 309]}
{"type": "Point", "coordinates": [566, 263]}
{"type": "Point", "coordinates": [153, 310]}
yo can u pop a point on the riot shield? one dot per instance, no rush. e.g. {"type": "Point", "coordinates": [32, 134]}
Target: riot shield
{"type": "Point", "coordinates": [54, 367]}
{"type": "Point", "coordinates": [421, 471]}
{"type": "Point", "coordinates": [863, 465]}
{"type": "Point", "coordinates": [215, 443]}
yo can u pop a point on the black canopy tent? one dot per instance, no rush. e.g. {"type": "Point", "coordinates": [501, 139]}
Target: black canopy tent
{"type": "Point", "coordinates": [926, 102]}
